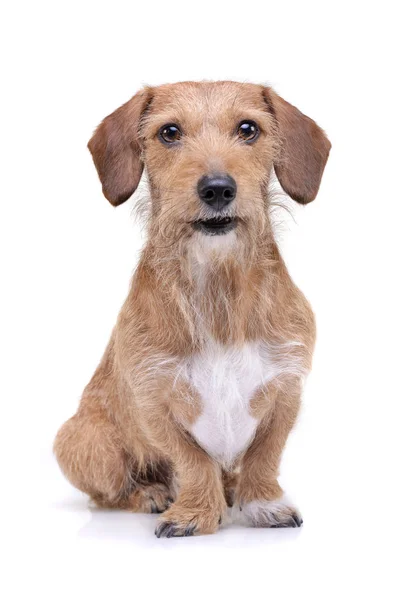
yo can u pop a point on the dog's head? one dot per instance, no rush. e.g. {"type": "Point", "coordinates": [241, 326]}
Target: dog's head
{"type": "Point", "coordinates": [209, 150]}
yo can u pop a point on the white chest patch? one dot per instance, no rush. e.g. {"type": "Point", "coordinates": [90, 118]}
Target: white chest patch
{"type": "Point", "coordinates": [227, 378]}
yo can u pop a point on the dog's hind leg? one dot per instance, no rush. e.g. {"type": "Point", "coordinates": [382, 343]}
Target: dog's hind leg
{"type": "Point", "coordinates": [89, 451]}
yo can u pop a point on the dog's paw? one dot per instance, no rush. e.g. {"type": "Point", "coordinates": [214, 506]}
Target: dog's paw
{"type": "Point", "coordinates": [154, 498]}
{"type": "Point", "coordinates": [269, 513]}
{"type": "Point", "coordinates": [178, 521]}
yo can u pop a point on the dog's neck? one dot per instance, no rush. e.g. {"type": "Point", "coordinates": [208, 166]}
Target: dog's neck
{"type": "Point", "coordinates": [221, 289]}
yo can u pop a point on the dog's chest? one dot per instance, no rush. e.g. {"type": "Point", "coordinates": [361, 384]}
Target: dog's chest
{"type": "Point", "coordinates": [226, 379]}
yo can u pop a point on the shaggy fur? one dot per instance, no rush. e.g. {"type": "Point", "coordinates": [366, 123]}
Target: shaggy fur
{"type": "Point", "coordinates": [199, 387]}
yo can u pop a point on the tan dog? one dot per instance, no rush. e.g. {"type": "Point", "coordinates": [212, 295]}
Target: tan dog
{"type": "Point", "coordinates": [200, 385]}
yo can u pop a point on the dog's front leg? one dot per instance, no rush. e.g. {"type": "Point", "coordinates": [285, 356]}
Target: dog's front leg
{"type": "Point", "coordinates": [200, 501]}
{"type": "Point", "coordinates": [259, 497]}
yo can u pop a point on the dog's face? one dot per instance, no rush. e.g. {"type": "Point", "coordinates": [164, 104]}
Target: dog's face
{"type": "Point", "coordinates": [209, 150]}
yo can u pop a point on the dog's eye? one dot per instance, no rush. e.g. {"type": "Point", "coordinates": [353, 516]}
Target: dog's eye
{"type": "Point", "coordinates": [170, 133]}
{"type": "Point", "coordinates": [248, 131]}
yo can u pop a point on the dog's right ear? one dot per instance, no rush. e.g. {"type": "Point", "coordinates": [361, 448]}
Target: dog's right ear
{"type": "Point", "coordinates": [116, 150]}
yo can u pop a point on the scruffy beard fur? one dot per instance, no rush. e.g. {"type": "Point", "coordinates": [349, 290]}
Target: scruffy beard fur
{"type": "Point", "coordinates": [199, 387]}
{"type": "Point", "coordinates": [208, 275]}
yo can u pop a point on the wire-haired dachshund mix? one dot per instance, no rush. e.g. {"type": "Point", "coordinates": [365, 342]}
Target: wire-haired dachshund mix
{"type": "Point", "coordinates": [190, 407]}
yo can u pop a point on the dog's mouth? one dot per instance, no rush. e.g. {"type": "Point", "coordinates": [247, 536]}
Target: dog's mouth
{"type": "Point", "coordinates": [216, 225]}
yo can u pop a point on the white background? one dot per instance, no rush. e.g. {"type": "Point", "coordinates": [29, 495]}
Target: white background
{"type": "Point", "coordinates": [67, 257]}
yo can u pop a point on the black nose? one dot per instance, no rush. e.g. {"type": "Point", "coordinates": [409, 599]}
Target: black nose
{"type": "Point", "coordinates": [217, 190]}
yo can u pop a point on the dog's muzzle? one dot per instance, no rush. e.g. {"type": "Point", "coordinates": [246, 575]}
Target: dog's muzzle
{"type": "Point", "coordinates": [217, 191]}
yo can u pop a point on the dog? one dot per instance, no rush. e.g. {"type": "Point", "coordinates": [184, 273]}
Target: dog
{"type": "Point", "coordinates": [190, 407]}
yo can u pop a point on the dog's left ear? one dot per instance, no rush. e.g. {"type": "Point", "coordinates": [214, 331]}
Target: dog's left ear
{"type": "Point", "coordinates": [304, 152]}
{"type": "Point", "coordinates": [116, 149]}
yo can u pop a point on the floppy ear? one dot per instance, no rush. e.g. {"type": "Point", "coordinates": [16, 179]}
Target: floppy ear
{"type": "Point", "coordinates": [116, 150]}
{"type": "Point", "coordinates": [304, 152]}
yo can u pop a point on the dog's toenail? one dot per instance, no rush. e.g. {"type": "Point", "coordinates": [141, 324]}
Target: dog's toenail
{"type": "Point", "coordinates": [298, 520]}
{"type": "Point", "coordinates": [154, 508]}
{"type": "Point", "coordinates": [170, 529]}
{"type": "Point", "coordinates": [189, 531]}
{"type": "Point", "coordinates": [164, 529]}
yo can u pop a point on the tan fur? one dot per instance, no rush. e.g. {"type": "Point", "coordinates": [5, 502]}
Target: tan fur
{"type": "Point", "coordinates": [129, 444]}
